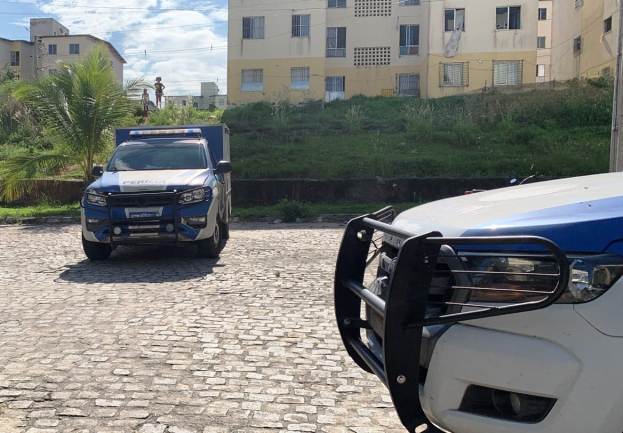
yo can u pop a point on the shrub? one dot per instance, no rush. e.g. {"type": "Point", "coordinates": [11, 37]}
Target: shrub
{"type": "Point", "coordinates": [290, 211]}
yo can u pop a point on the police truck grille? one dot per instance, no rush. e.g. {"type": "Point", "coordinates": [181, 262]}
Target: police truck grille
{"type": "Point", "coordinates": [142, 199]}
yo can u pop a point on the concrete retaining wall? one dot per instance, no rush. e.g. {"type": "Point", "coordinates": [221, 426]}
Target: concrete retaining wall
{"type": "Point", "coordinates": [249, 192]}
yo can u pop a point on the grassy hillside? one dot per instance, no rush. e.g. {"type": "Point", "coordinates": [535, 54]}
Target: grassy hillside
{"type": "Point", "coordinates": [548, 132]}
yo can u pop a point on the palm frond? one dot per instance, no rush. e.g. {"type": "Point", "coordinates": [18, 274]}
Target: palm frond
{"type": "Point", "coordinates": [18, 170]}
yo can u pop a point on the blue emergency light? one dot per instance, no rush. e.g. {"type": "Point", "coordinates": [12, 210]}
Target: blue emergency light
{"type": "Point", "coordinates": [188, 132]}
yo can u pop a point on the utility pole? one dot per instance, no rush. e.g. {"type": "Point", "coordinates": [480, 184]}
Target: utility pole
{"type": "Point", "coordinates": [616, 144]}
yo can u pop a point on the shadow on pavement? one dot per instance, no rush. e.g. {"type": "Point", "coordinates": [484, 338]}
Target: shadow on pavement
{"type": "Point", "coordinates": [142, 265]}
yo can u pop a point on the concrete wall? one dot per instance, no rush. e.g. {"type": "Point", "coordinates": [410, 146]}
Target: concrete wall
{"type": "Point", "coordinates": [249, 192]}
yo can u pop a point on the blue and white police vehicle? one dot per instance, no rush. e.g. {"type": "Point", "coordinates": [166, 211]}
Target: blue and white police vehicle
{"type": "Point", "coordinates": [494, 312]}
{"type": "Point", "coordinates": [162, 185]}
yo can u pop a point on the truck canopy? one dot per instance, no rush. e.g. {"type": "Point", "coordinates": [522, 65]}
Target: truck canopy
{"type": "Point", "coordinates": [217, 136]}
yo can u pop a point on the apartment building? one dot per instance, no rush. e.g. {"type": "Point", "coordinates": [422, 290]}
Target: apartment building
{"type": "Point", "coordinates": [210, 98]}
{"type": "Point", "coordinates": [585, 38]}
{"type": "Point", "coordinates": [327, 49]}
{"type": "Point", "coordinates": [50, 45]}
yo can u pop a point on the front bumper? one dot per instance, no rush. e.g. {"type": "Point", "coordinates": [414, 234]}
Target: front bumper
{"type": "Point", "coordinates": [146, 226]}
{"type": "Point", "coordinates": [552, 353]}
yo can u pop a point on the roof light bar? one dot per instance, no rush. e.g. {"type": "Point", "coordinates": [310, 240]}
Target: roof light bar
{"type": "Point", "coordinates": [157, 132]}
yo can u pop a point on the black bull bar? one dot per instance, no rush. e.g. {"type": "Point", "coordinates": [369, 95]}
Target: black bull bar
{"type": "Point", "coordinates": [405, 309]}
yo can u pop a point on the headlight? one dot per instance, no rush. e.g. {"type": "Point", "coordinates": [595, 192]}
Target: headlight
{"type": "Point", "coordinates": [589, 278]}
{"type": "Point", "coordinates": [96, 199]}
{"type": "Point", "coordinates": [195, 195]}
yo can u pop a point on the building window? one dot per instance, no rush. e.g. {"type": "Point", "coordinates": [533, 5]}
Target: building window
{"type": "Point", "coordinates": [253, 28]}
{"type": "Point", "coordinates": [409, 40]}
{"type": "Point", "coordinates": [252, 80]}
{"type": "Point", "coordinates": [336, 4]}
{"type": "Point", "coordinates": [373, 8]}
{"type": "Point", "coordinates": [608, 25]}
{"type": "Point", "coordinates": [507, 73]}
{"type": "Point", "coordinates": [15, 58]}
{"type": "Point", "coordinates": [454, 74]}
{"type": "Point", "coordinates": [300, 26]}
{"type": "Point", "coordinates": [540, 70]}
{"type": "Point", "coordinates": [409, 2]}
{"type": "Point", "coordinates": [299, 78]}
{"type": "Point", "coordinates": [577, 46]}
{"type": "Point", "coordinates": [52, 49]}
{"type": "Point", "coordinates": [335, 88]}
{"type": "Point", "coordinates": [335, 84]}
{"type": "Point", "coordinates": [408, 84]}
{"type": "Point", "coordinates": [540, 41]}
{"type": "Point", "coordinates": [542, 14]}
{"type": "Point", "coordinates": [336, 42]}
{"type": "Point", "coordinates": [74, 49]}
{"type": "Point", "coordinates": [508, 18]}
{"type": "Point", "coordinates": [373, 56]}
{"type": "Point", "coordinates": [454, 20]}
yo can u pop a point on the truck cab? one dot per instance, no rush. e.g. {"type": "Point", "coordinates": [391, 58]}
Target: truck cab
{"type": "Point", "coordinates": [493, 312]}
{"type": "Point", "coordinates": [162, 185]}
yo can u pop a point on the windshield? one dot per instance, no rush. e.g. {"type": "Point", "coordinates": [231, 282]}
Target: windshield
{"type": "Point", "coordinates": [173, 155]}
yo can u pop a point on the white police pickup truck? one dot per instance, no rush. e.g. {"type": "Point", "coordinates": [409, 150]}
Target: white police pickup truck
{"type": "Point", "coordinates": [168, 185]}
{"type": "Point", "coordinates": [495, 312]}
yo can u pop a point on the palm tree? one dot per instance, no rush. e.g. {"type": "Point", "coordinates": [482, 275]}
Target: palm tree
{"type": "Point", "coordinates": [79, 106]}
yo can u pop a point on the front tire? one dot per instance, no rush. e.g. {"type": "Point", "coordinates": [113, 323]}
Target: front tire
{"type": "Point", "coordinates": [211, 248]}
{"type": "Point", "coordinates": [96, 251]}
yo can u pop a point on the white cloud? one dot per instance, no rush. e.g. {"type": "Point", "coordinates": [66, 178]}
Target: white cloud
{"type": "Point", "coordinates": [174, 39]}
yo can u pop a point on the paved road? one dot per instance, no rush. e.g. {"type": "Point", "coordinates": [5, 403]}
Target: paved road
{"type": "Point", "coordinates": [158, 341]}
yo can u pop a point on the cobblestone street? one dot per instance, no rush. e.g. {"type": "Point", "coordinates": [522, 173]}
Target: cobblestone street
{"type": "Point", "coordinates": [158, 341]}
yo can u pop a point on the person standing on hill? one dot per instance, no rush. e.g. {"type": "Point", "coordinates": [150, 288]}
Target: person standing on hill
{"type": "Point", "coordinates": [159, 91]}
{"type": "Point", "coordinates": [145, 99]}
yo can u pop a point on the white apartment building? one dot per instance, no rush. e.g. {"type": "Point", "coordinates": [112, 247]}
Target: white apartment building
{"type": "Point", "coordinates": [50, 45]}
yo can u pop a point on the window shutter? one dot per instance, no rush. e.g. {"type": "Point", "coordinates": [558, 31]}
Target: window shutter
{"type": "Point", "coordinates": [341, 37]}
{"type": "Point", "coordinates": [246, 28]}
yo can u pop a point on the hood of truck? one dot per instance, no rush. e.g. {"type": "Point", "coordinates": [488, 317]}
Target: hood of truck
{"type": "Point", "coordinates": [150, 180]}
{"type": "Point", "coordinates": [581, 214]}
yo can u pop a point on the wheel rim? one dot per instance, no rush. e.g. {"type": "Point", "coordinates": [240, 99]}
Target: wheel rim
{"type": "Point", "coordinates": [217, 234]}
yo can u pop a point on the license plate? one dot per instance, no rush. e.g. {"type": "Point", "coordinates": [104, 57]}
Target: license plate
{"type": "Point", "coordinates": [142, 213]}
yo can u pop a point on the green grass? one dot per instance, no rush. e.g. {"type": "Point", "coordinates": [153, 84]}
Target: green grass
{"type": "Point", "coordinates": [40, 210]}
{"type": "Point", "coordinates": [548, 132]}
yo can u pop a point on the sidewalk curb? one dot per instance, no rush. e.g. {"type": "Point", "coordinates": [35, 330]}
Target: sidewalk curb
{"type": "Point", "coordinates": [40, 220]}
{"type": "Point", "coordinates": [57, 220]}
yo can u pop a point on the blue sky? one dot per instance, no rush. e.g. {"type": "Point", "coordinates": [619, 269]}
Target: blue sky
{"type": "Point", "coordinates": [183, 41]}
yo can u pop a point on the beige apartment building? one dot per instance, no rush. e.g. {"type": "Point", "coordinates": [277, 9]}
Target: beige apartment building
{"type": "Point", "coordinates": [50, 45]}
{"type": "Point", "coordinates": [585, 38]}
{"type": "Point", "coordinates": [329, 49]}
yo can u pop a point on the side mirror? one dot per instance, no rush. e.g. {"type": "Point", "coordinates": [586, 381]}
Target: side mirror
{"type": "Point", "coordinates": [223, 167]}
{"type": "Point", "coordinates": [97, 171]}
